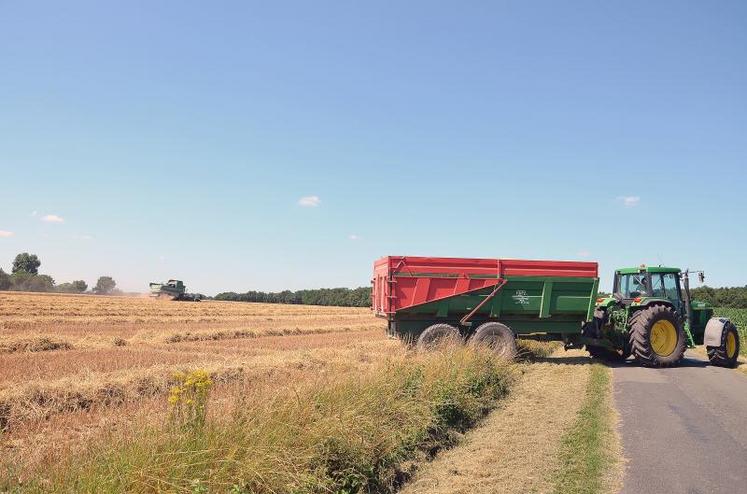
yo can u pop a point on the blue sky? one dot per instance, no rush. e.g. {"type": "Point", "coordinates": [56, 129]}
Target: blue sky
{"type": "Point", "coordinates": [177, 139]}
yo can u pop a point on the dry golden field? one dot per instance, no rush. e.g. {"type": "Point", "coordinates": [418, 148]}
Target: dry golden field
{"type": "Point", "coordinates": [302, 399]}
{"type": "Point", "coordinates": [73, 366]}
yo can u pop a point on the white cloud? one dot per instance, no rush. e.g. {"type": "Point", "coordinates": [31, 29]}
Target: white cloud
{"type": "Point", "coordinates": [630, 201]}
{"type": "Point", "coordinates": [353, 236]}
{"type": "Point", "coordinates": [309, 201]}
{"type": "Point", "coordinates": [34, 213]}
{"type": "Point", "coordinates": [83, 237]}
{"type": "Point", "coordinates": [6, 234]}
{"type": "Point", "coordinates": [583, 253]}
{"type": "Point", "coordinates": [52, 218]}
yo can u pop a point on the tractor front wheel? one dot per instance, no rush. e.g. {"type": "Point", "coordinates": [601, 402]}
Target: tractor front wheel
{"type": "Point", "coordinates": [657, 336]}
{"type": "Point", "coordinates": [726, 354]}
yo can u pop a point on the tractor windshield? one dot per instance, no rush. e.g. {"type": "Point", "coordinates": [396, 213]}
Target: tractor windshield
{"type": "Point", "coordinates": [632, 285]}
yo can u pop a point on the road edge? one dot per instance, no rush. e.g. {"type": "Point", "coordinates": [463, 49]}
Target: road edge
{"type": "Point", "coordinates": [590, 455]}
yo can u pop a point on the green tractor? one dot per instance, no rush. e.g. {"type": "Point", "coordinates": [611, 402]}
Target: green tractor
{"type": "Point", "coordinates": [652, 317]}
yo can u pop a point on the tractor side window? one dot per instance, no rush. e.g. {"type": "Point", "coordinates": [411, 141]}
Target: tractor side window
{"type": "Point", "coordinates": [638, 285]}
{"type": "Point", "coordinates": [657, 286]}
{"type": "Point", "coordinates": [633, 285]}
{"type": "Point", "coordinates": [670, 286]}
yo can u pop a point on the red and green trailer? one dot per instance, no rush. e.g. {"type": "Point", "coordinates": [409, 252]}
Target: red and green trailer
{"type": "Point", "coordinates": [491, 302]}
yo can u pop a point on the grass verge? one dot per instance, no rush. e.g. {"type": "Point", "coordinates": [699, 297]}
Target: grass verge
{"type": "Point", "coordinates": [590, 450]}
{"type": "Point", "coordinates": [355, 433]}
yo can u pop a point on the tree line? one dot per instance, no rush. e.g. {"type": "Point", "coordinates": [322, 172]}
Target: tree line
{"type": "Point", "coordinates": [342, 297]}
{"type": "Point", "coordinates": [732, 297]}
{"type": "Point", "coordinates": [25, 277]}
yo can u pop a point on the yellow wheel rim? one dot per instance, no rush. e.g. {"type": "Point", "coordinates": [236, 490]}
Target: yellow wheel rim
{"type": "Point", "coordinates": [663, 338]}
{"type": "Point", "coordinates": [731, 344]}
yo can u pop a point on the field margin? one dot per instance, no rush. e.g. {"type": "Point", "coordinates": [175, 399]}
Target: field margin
{"type": "Point", "coordinates": [591, 452]}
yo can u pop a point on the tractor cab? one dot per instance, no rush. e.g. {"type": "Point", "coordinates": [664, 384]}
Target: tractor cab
{"type": "Point", "coordinates": [640, 285]}
{"type": "Point", "coordinates": [178, 284]}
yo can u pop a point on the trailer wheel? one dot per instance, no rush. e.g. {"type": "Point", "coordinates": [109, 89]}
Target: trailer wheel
{"type": "Point", "coordinates": [496, 336]}
{"type": "Point", "coordinates": [657, 336]}
{"type": "Point", "coordinates": [726, 354]}
{"type": "Point", "coordinates": [436, 335]}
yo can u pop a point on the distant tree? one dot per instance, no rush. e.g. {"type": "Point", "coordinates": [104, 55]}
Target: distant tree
{"type": "Point", "coordinates": [21, 281]}
{"type": "Point", "coordinates": [79, 286]}
{"type": "Point", "coordinates": [358, 297]}
{"type": "Point", "coordinates": [105, 285]}
{"type": "Point", "coordinates": [28, 263]}
{"type": "Point", "coordinates": [5, 280]}
{"type": "Point", "coordinates": [27, 282]}
{"type": "Point", "coordinates": [41, 283]}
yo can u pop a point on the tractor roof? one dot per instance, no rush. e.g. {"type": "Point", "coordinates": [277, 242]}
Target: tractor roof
{"type": "Point", "coordinates": [648, 269]}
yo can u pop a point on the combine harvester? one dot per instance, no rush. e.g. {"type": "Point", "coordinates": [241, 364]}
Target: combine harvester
{"type": "Point", "coordinates": [172, 290]}
{"type": "Point", "coordinates": [492, 301]}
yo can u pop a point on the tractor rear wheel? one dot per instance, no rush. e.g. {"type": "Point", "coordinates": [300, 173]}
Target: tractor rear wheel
{"type": "Point", "coordinates": [657, 336]}
{"type": "Point", "coordinates": [496, 336]}
{"type": "Point", "coordinates": [436, 335]}
{"type": "Point", "coordinates": [726, 354]}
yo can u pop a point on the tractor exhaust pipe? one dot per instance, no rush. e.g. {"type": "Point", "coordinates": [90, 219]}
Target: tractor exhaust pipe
{"type": "Point", "coordinates": [686, 295]}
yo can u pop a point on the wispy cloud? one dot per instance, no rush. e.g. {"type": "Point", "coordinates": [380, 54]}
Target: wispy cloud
{"type": "Point", "coordinates": [52, 218]}
{"type": "Point", "coordinates": [353, 236]}
{"type": "Point", "coordinates": [629, 201]}
{"type": "Point", "coordinates": [83, 237]}
{"type": "Point", "coordinates": [6, 234]}
{"type": "Point", "coordinates": [309, 201]}
{"type": "Point", "coordinates": [583, 253]}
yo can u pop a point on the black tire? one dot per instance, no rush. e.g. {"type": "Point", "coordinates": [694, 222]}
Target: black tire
{"type": "Point", "coordinates": [496, 336]}
{"type": "Point", "coordinates": [607, 355]}
{"type": "Point", "coordinates": [599, 352]}
{"type": "Point", "coordinates": [720, 356]}
{"type": "Point", "coordinates": [645, 339]}
{"type": "Point", "coordinates": [436, 335]}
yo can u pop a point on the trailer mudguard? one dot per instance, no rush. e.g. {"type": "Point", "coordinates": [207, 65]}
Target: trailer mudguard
{"type": "Point", "coordinates": [714, 331]}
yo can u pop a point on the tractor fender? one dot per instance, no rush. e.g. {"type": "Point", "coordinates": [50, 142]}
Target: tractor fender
{"type": "Point", "coordinates": [714, 330]}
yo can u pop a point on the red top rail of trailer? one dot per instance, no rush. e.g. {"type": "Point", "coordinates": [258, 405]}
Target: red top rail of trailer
{"type": "Point", "coordinates": [400, 282]}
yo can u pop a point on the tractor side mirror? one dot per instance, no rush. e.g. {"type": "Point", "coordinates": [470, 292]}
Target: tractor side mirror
{"type": "Point", "coordinates": [701, 277]}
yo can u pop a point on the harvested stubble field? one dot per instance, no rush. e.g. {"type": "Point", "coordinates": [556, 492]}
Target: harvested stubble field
{"type": "Point", "coordinates": [71, 365]}
{"type": "Point", "coordinates": [302, 398]}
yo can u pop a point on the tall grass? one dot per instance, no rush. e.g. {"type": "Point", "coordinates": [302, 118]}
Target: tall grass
{"type": "Point", "coordinates": [360, 433]}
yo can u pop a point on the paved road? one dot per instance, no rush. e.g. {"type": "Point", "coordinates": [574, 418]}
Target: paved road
{"type": "Point", "coordinates": [684, 430]}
